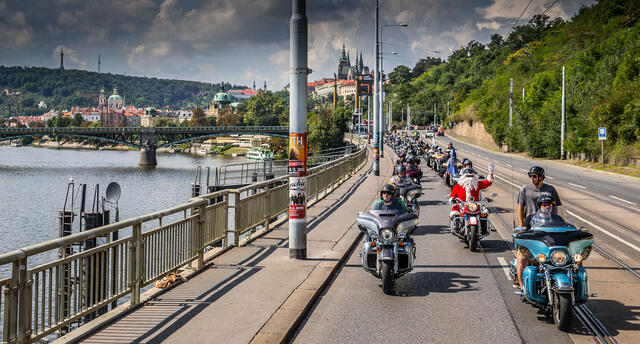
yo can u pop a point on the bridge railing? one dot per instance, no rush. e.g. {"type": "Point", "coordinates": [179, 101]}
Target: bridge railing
{"type": "Point", "coordinates": [35, 302]}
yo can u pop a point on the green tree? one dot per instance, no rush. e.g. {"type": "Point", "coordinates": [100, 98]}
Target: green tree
{"type": "Point", "coordinates": [77, 120]}
{"type": "Point", "coordinates": [264, 109]}
{"type": "Point", "coordinates": [228, 117]}
{"type": "Point", "coordinates": [400, 75]}
{"type": "Point", "coordinates": [199, 118]}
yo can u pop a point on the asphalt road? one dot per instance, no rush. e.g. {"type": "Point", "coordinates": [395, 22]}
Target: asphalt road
{"type": "Point", "coordinates": [452, 296]}
{"type": "Point", "coordinates": [604, 203]}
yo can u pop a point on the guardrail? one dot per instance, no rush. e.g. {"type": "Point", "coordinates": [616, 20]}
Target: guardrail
{"type": "Point", "coordinates": [38, 301]}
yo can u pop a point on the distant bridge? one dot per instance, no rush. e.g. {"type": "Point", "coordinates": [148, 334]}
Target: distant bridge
{"type": "Point", "coordinates": [145, 139]}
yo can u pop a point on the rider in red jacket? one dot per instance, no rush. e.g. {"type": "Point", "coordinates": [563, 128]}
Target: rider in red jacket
{"type": "Point", "coordinates": [469, 185]}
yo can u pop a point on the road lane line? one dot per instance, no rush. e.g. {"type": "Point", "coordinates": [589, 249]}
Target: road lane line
{"type": "Point", "coordinates": [578, 186]}
{"type": "Point", "coordinates": [522, 169]}
{"type": "Point", "coordinates": [549, 177]}
{"type": "Point", "coordinates": [604, 231]}
{"type": "Point", "coordinates": [508, 165]}
{"type": "Point", "coordinates": [623, 200]}
{"type": "Point", "coordinates": [505, 267]}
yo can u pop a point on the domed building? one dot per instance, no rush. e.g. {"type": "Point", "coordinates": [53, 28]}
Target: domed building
{"type": "Point", "coordinates": [115, 101]}
{"type": "Point", "coordinates": [219, 102]}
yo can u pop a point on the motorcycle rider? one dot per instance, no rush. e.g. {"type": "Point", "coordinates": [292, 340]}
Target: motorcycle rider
{"type": "Point", "coordinates": [387, 201]}
{"type": "Point", "coordinates": [528, 206]}
{"type": "Point", "coordinates": [468, 187]}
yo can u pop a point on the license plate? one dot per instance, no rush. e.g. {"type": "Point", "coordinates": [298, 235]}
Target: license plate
{"type": "Point", "coordinates": [473, 220]}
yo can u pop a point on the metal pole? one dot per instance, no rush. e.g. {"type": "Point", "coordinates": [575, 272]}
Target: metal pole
{"type": "Point", "coordinates": [434, 114]}
{"type": "Point", "coordinates": [447, 109]}
{"type": "Point", "coordinates": [376, 95]}
{"type": "Point", "coordinates": [564, 123]}
{"type": "Point", "coordinates": [381, 99]}
{"type": "Point", "coordinates": [298, 131]}
{"type": "Point", "coordinates": [408, 116]}
{"type": "Point", "coordinates": [510, 102]}
{"type": "Point", "coordinates": [368, 116]}
{"type": "Point", "coordinates": [390, 114]}
{"type": "Point", "coordinates": [602, 153]}
{"type": "Point", "coordinates": [523, 94]}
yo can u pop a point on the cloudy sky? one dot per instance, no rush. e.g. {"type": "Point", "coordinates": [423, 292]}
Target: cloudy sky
{"type": "Point", "coordinates": [240, 41]}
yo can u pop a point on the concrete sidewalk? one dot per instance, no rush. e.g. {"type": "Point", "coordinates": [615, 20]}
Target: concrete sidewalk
{"type": "Point", "coordinates": [255, 293]}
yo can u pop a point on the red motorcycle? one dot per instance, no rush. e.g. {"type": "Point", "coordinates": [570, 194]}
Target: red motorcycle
{"type": "Point", "coordinates": [471, 224]}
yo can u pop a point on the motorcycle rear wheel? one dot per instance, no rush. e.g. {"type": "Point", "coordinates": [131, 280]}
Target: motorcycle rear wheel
{"type": "Point", "coordinates": [387, 276]}
{"type": "Point", "coordinates": [562, 311]}
{"type": "Point", "coordinates": [473, 238]}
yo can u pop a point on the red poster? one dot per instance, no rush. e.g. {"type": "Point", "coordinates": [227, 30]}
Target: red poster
{"type": "Point", "coordinates": [297, 175]}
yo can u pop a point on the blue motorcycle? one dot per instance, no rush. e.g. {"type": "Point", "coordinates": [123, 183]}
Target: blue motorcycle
{"type": "Point", "coordinates": [557, 281]}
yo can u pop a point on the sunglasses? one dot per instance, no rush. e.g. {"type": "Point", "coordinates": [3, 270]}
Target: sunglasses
{"type": "Point", "coordinates": [547, 204]}
{"type": "Point", "coordinates": [386, 193]}
{"type": "Point", "coordinates": [534, 176]}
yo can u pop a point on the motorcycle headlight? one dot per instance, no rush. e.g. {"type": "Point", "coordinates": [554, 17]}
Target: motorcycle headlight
{"type": "Point", "coordinates": [559, 257]}
{"type": "Point", "coordinates": [373, 234]}
{"type": "Point", "coordinates": [473, 207]}
{"type": "Point", "coordinates": [387, 234]}
{"type": "Point", "coordinates": [402, 234]}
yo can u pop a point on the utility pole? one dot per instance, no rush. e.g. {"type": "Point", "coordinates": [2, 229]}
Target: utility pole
{"type": "Point", "coordinates": [447, 109]}
{"type": "Point", "coordinates": [564, 121]}
{"type": "Point", "coordinates": [298, 72]}
{"type": "Point", "coordinates": [523, 94]}
{"type": "Point", "coordinates": [435, 116]}
{"type": "Point", "coordinates": [390, 114]}
{"type": "Point", "coordinates": [376, 95]}
{"type": "Point", "coordinates": [408, 116]}
{"type": "Point", "coordinates": [510, 102]}
{"type": "Point", "coordinates": [98, 63]}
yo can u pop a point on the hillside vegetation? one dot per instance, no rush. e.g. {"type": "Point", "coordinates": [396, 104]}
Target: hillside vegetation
{"type": "Point", "coordinates": [61, 89]}
{"type": "Point", "coordinates": [600, 50]}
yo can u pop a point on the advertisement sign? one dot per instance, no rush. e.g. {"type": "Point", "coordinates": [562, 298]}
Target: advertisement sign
{"type": "Point", "coordinates": [297, 175]}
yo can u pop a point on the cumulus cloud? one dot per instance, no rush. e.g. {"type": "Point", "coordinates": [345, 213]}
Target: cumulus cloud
{"type": "Point", "coordinates": [16, 32]}
{"type": "Point", "coordinates": [492, 25]}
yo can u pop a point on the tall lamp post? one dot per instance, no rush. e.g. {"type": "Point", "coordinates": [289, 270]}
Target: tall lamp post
{"type": "Point", "coordinates": [376, 104]}
{"type": "Point", "coordinates": [381, 80]}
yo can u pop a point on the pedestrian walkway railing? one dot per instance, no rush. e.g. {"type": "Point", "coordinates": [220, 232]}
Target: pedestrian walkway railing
{"type": "Point", "coordinates": [39, 301]}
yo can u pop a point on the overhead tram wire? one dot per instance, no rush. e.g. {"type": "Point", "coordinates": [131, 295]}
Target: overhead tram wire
{"type": "Point", "coordinates": [550, 6]}
{"type": "Point", "coordinates": [521, 14]}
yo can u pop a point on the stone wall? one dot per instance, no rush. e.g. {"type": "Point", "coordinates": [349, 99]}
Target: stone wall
{"type": "Point", "coordinates": [475, 134]}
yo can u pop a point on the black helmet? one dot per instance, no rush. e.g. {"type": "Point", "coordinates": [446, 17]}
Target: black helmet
{"type": "Point", "coordinates": [387, 188]}
{"type": "Point", "coordinates": [447, 150]}
{"type": "Point", "coordinates": [536, 170]}
{"type": "Point", "coordinates": [467, 171]}
{"type": "Point", "coordinates": [400, 170]}
{"type": "Point", "coordinates": [545, 198]}
{"type": "Point", "coordinates": [466, 162]}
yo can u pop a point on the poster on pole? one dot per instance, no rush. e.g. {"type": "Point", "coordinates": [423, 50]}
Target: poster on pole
{"type": "Point", "coordinates": [297, 175]}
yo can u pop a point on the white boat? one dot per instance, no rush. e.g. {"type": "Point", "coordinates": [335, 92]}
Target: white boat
{"type": "Point", "coordinates": [16, 143]}
{"type": "Point", "coordinates": [260, 153]}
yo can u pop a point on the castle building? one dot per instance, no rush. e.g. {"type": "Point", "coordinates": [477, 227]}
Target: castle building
{"type": "Point", "coordinates": [348, 72]}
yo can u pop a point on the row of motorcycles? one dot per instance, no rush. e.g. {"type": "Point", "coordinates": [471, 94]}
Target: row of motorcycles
{"type": "Point", "coordinates": [471, 223]}
{"type": "Point", "coordinates": [554, 280]}
{"type": "Point", "coordinates": [388, 251]}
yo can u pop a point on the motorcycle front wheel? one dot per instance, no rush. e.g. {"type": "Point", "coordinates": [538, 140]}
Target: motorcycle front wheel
{"type": "Point", "coordinates": [387, 276]}
{"type": "Point", "coordinates": [562, 311]}
{"type": "Point", "coordinates": [473, 238]}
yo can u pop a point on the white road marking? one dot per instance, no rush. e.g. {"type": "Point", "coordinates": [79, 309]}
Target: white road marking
{"type": "Point", "coordinates": [578, 186]}
{"type": "Point", "coordinates": [604, 231]}
{"type": "Point", "coordinates": [505, 267]}
{"type": "Point", "coordinates": [623, 200]}
{"type": "Point", "coordinates": [508, 165]}
{"type": "Point", "coordinates": [549, 177]}
{"type": "Point", "coordinates": [522, 169]}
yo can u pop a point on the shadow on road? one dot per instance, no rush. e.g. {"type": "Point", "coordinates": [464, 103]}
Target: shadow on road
{"type": "Point", "coordinates": [422, 283]}
{"type": "Point", "coordinates": [430, 229]}
{"type": "Point", "coordinates": [615, 315]}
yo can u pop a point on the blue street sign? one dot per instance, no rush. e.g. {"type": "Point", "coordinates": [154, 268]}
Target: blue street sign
{"type": "Point", "coordinates": [602, 133]}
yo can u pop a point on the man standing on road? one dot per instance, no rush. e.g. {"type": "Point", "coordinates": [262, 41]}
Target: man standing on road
{"type": "Point", "coordinates": [528, 205]}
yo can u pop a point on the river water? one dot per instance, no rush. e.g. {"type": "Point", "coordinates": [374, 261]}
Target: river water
{"type": "Point", "coordinates": [33, 183]}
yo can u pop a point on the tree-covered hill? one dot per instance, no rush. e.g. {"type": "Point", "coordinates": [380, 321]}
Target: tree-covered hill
{"type": "Point", "coordinates": [61, 89]}
{"type": "Point", "coordinates": [600, 50]}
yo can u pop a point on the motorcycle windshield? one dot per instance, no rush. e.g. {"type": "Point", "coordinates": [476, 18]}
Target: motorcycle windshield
{"type": "Point", "coordinates": [542, 220]}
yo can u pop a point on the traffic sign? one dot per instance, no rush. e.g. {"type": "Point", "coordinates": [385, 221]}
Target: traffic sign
{"type": "Point", "coordinates": [602, 133]}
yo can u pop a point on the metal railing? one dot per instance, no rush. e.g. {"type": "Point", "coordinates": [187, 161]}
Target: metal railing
{"type": "Point", "coordinates": [38, 301]}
